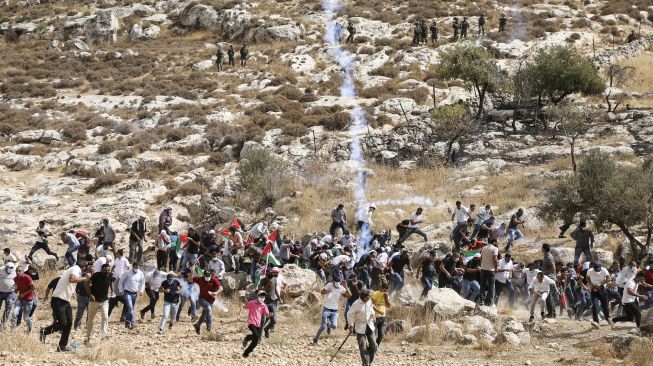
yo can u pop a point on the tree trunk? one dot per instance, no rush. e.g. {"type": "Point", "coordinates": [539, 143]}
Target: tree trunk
{"type": "Point", "coordinates": [481, 100]}
{"type": "Point", "coordinates": [573, 155]}
{"type": "Point", "coordinates": [637, 248]}
{"type": "Point", "coordinates": [536, 118]}
{"type": "Point", "coordinates": [449, 146]}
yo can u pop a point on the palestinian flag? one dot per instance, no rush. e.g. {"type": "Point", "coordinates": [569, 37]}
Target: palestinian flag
{"type": "Point", "coordinates": [176, 245]}
{"type": "Point", "coordinates": [270, 259]}
{"type": "Point", "coordinates": [473, 249]}
{"type": "Point", "coordinates": [272, 238]}
{"type": "Point", "coordinates": [259, 276]}
{"type": "Point", "coordinates": [225, 231]}
{"type": "Point", "coordinates": [198, 270]}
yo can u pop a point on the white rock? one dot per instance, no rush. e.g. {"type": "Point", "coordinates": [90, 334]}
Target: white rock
{"type": "Point", "coordinates": [446, 302]}
{"type": "Point", "coordinates": [300, 281]}
{"type": "Point", "coordinates": [42, 136]}
{"type": "Point", "coordinates": [479, 325]}
{"type": "Point", "coordinates": [395, 105]}
{"type": "Point", "coordinates": [421, 333]}
{"type": "Point", "coordinates": [103, 27]}
{"type": "Point", "coordinates": [508, 337]}
{"type": "Point", "coordinates": [139, 34]}
{"type": "Point", "coordinates": [203, 65]}
{"type": "Point", "coordinates": [19, 162]}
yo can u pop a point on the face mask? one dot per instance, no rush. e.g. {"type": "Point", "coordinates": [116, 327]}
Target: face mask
{"type": "Point", "coordinates": [207, 279]}
{"type": "Point", "coordinates": [597, 269]}
{"type": "Point", "coordinates": [336, 285]}
{"type": "Point", "coordinates": [214, 259]}
{"type": "Point", "coordinates": [135, 270]}
{"type": "Point", "coordinates": [456, 260]}
{"type": "Point", "coordinates": [261, 300]}
{"type": "Point", "coordinates": [9, 270]}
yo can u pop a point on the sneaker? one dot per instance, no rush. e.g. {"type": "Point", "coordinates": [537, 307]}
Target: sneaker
{"type": "Point", "coordinates": [197, 328]}
{"type": "Point", "coordinates": [65, 349]}
{"type": "Point", "coordinates": [314, 342]}
{"type": "Point", "coordinates": [610, 322]}
{"type": "Point", "coordinates": [346, 326]}
{"type": "Point", "coordinates": [42, 335]}
{"type": "Point", "coordinates": [329, 330]}
{"type": "Point", "coordinates": [170, 325]}
{"type": "Point", "coordinates": [596, 325]}
{"type": "Point", "coordinates": [245, 355]}
{"type": "Point", "coordinates": [542, 314]}
{"type": "Point", "coordinates": [245, 342]}
{"type": "Point", "coordinates": [570, 313]}
{"type": "Point", "coordinates": [160, 332]}
{"type": "Point", "coordinates": [86, 342]}
{"type": "Point", "coordinates": [193, 319]}
{"type": "Point", "coordinates": [531, 319]}
{"type": "Point", "coordinates": [267, 333]}
{"type": "Point", "coordinates": [561, 236]}
{"type": "Point", "coordinates": [142, 314]}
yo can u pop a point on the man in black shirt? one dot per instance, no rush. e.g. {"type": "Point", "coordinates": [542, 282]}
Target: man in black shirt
{"type": "Point", "coordinates": [471, 278]}
{"type": "Point", "coordinates": [397, 264]}
{"type": "Point", "coordinates": [136, 239]}
{"type": "Point", "coordinates": [447, 269]}
{"type": "Point", "coordinates": [192, 247]}
{"type": "Point", "coordinates": [428, 271]}
{"type": "Point", "coordinates": [355, 287]}
{"type": "Point", "coordinates": [514, 233]}
{"type": "Point", "coordinates": [97, 289]}
{"type": "Point", "coordinates": [171, 289]}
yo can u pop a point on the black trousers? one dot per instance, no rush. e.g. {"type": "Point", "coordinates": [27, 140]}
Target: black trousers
{"type": "Point", "coordinates": [62, 316]}
{"type": "Point", "coordinates": [38, 246]}
{"type": "Point", "coordinates": [252, 338]}
{"type": "Point", "coordinates": [154, 298]}
{"type": "Point", "coordinates": [632, 312]}
{"type": "Point", "coordinates": [161, 259]}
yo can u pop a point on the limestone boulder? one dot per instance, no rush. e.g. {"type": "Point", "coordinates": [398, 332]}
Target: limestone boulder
{"type": "Point", "coordinates": [300, 281]}
{"type": "Point", "coordinates": [42, 136]}
{"type": "Point", "coordinates": [102, 28]}
{"type": "Point", "coordinates": [138, 33]}
{"type": "Point", "coordinates": [446, 302]}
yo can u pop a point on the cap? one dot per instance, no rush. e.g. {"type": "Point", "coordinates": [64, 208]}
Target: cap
{"type": "Point", "coordinates": [323, 256]}
{"type": "Point", "coordinates": [477, 255]}
{"type": "Point", "coordinates": [276, 270]}
{"type": "Point", "coordinates": [373, 207]}
{"type": "Point", "coordinates": [586, 265]}
{"type": "Point", "coordinates": [169, 208]}
{"type": "Point", "coordinates": [142, 218]}
{"type": "Point", "coordinates": [11, 264]}
{"type": "Point", "coordinates": [211, 232]}
{"type": "Point", "coordinates": [261, 293]}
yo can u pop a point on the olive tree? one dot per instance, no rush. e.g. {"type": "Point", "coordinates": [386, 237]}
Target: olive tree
{"type": "Point", "coordinates": [263, 178]}
{"type": "Point", "coordinates": [609, 194]}
{"type": "Point", "coordinates": [476, 67]}
{"type": "Point", "coordinates": [558, 71]}
{"type": "Point", "coordinates": [574, 121]}
{"type": "Point", "coordinates": [450, 122]}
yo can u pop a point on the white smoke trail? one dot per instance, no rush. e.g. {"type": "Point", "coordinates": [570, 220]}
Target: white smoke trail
{"type": "Point", "coordinates": [410, 201]}
{"type": "Point", "coordinates": [517, 28]}
{"type": "Point", "coordinates": [358, 121]}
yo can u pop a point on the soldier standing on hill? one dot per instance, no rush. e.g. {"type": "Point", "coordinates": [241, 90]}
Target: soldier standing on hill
{"type": "Point", "coordinates": [230, 54]}
{"type": "Point", "coordinates": [455, 25]}
{"type": "Point", "coordinates": [434, 32]}
{"type": "Point", "coordinates": [219, 55]}
{"type": "Point", "coordinates": [502, 23]}
{"type": "Point", "coordinates": [631, 37]}
{"type": "Point", "coordinates": [424, 33]}
{"type": "Point", "coordinates": [464, 26]}
{"type": "Point", "coordinates": [417, 34]}
{"type": "Point", "coordinates": [244, 53]}
{"type": "Point", "coordinates": [352, 32]}
{"type": "Point", "coordinates": [481, 25]}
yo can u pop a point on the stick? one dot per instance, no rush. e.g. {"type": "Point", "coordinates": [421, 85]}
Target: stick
{"type": "Point", "coordinates": [339, 348]}
{"type": "Point", "coordinates": [403, 111]}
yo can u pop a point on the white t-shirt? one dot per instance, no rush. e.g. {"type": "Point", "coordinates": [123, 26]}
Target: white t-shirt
{"type": "Point", "coordinates": [530, 275]}
{"type": "Point", "coordinates": [65, 288]}
{"type": "Point", "coordinates": [597, 277]}
{"type": "Point", "coordinates": [97, 265]}
{"type": "Point", "coordinates": [331, 299]}
{"type": "Point", "coordinates": [462, 213]}
{"type": "Point", "coordinates": [281, 282]}
{"type": "Point", "coordinates": [340, 259]}
{"type": "Point", "coordinates": [155, 281]}
{"type": "Point", "coordinates": [625, 275]}
{"type": "Point", "coordinates": [121, 265]}
{"type": "Point", "coordinates": [44, 231]}
{"type": "Point", "coordinates": [414, 218]}
{"type": "Point", "coordinates": [543, 286]}
{"type": "Point", "coordinates": [482, 216]}
{"type": "Point", "coordinates": [11, 258]}
{"type": "Point", "coordinates": [628, 298]}
{"type": "Point", "coordinates": [488, 253]}
{"type": "Point", "coordinates": [7, 283]}
{"type": "Point", "coordinates": [503, 276]}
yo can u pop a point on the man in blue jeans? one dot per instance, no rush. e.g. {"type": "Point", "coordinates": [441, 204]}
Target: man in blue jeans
{"type": "Point", "coordinates": [471, 278]}
{"type": "Point", "coordinates": [489, 265]}
{"type": "Point", "coordinates": [333, 291]}
{"type": "Point", "coordinates": [73, 245]}
{"type": "Point", "coordinates": [210, 287]}
{"type": "Point", "coordinates": [514, 233]}
{"type": "Point", "coordinates": [7, 287]}
{"type": "Point", "coordinates": [397, 264]}
{"type": "Point", "coordinates": [584, 242]}
{"type": "Point", "coordinates": [130, 285]}
{"type": "Point", "coordinates": [428, 271]}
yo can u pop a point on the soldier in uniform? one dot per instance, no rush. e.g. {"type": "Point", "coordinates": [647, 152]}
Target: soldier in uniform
{"type": "Point", "coordinates": [455, 26]}
{"type": "Point", "coordinates": [244, 52]}
{"type": "Point", "coordinates": [230, 54]}
{"type": "Point", "coordinates": [219, 55]}
{"type": "Point", "coordinates": [352, 32]}
{"type": "Point", "coordinates": [502, 22]}
{"type": "Point", "coordinates": [424, 33]}
{"type": "Point", "coordinates": [417, 34]}
{"type": "Point", "coordinates": [464, 26]}
{"type": "Point", "coordinates": [434, 32]}
{"type": "Point", "coordinates": [481, 25]}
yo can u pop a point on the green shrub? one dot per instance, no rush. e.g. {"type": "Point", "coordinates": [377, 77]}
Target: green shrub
{"type": "Point", "coordinates": [336, 121]}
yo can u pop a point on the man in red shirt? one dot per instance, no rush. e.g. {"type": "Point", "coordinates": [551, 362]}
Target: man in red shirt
{"type": "Point", "coordinates": [256, 310]}
{"type": "Point", "coordinates": [210, 287]}
{"type": "Point", "coordinates": [647, 287]}
{"type": "Point", "coordinates": [24, 297]}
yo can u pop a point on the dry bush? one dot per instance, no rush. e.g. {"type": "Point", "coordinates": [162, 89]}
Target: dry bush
{"type": "Point", "coordinates": [639, 353]}
{"type": "Point", "coordinates": [185, 190]}
{"type": "Point", "coordinates": [290, 92]}
{"type": "Point", "coordinates": [218, 159]}
{"type": "Point", "coordinates": [336, 121]}
{"type": "Point", "coordinates": [107, 147]}
{"type": "Point", "coordinates": [106, 180]}
{"type": "Point", "coordinates": [580, 23]}
{"type": "Point", "coordinates": [106, 352]}
{"type": "Point", "coordinates": [386, 70]}
{"type": "Point", "coordinates": [294, 129]}
{"type": "Point", "coordinates": [74, 131]}
{"type": "Point", "coordinates": [35, 149]}
{"type": "Point", "coordinates": [179, 133]}
{"type": "Point", "coordinates": [419, 95]}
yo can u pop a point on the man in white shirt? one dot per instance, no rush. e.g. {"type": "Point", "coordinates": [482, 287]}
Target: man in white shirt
{"type": "Point", "coordinates": [120, 265]}
{"type": "Point", "coordinates": [502, 279]}
{"type": "Point", "coordinates": [530, 271]}
{"type": "Point", "coordinates": [333, 291]}
{"type": "Point", "coordinates": [597, 278]}
{"type": "Point", "coordinates": [460, 213]}
{"type": "Point", "coordinates": [130, 285]}
{"type": "Point", "coordinates": [217, 266]}
{"type": "Point", "coordinates": [361, 315]}
{"type": "Point", "coordinates": [630, 301]}
{"type": "Point", "coordinates": [416, 218]}
{"type": "Point", "coordinates": [481, 217]}
{"type": "Point", "coordinates": [153, 282]}
{"type": "Point", "coordinates": [42, 232]}
{"type": "Point", "coordinates": [338, 265]}
{"type": "Point", "coordinates": [539, 290]}
{"type": "Point", "coordinates": [9, 256]}
{"type": "Point", "coordinates": [62, 312]}
{"type": "Point", "coordinates": [7, 287]}
{"type": "Point", "coordinates": [97, 265]}
{"type": "Point", "coordinates": [73, 245]}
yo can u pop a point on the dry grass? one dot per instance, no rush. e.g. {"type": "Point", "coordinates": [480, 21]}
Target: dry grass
{"type": "Point", "coordinates": [107, 352]}
{"type": "Point", "coordinates": [643, 78]}
{"type": "Point", "coordinates": [639, 353]}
